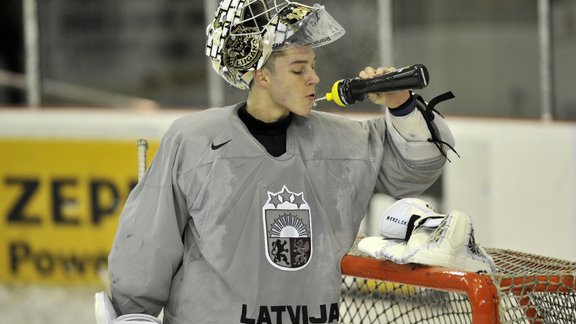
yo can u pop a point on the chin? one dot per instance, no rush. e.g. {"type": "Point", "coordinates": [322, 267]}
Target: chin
{"type": "Point", "coordinates": [302, 112]}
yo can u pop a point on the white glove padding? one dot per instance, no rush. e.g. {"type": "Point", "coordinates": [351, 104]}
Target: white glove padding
{"type": "Point", "coordinates": [103, 309]}
{"type": "Point", "coordinates": [405, 215]}
{"type": "Point", "coordinates": [451, 245]}
{"type": "Point", "coordinates": [136, 319]}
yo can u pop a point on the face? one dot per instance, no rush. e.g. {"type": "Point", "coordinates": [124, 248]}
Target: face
{"type": "Point", "coordinates": [293, 80]}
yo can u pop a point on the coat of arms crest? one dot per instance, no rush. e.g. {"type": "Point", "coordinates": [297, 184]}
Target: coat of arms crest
{"type": "Point", "coordinates": [287, 230]}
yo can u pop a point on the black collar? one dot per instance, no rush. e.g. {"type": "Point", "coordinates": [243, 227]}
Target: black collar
{"type": "Point", "coordinates": [257, 126]}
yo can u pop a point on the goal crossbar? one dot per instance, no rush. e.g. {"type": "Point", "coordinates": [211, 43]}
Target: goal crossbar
{"type": "Point", "coordinates": [481, 292]}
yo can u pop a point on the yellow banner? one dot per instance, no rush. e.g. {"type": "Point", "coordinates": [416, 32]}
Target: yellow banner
{"type": "Point", "coordinates": [60, 201]}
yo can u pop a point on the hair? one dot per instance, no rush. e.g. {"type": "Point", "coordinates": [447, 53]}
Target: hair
{"type": "Point", "coordinates": [269, 64]}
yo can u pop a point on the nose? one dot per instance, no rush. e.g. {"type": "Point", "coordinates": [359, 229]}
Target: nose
{"type": "Point", "coordinates": [313, 78]}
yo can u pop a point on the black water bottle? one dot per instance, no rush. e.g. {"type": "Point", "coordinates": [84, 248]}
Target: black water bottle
{"type": "Point", "coordinates": [349, 91]}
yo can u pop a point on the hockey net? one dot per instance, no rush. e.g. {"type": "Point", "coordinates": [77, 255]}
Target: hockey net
{"type": "Point", "coordinates": [526, 288]}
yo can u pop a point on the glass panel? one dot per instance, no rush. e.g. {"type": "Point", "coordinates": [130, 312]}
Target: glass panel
{"type": "Point", "coordinates": [143, 48]}
{"type": "Point", "coordinates": [563, 54]}
{"type": "Point", "coordinates": [485, 51]}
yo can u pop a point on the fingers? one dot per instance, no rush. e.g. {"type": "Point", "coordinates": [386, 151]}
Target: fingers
{"type": "Point", "coordinates": [390, 99]}
{"type": "Point", "coordinates": [369, 72]}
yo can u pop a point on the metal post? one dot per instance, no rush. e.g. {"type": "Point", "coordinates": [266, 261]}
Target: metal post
{"type": "Point", "coordinates": [215, 83]}
{"type": "Point", "coordinates": [385, 32]}
{"type": "Point", "coordinates": [545, 40]}
{"type": "Point", "coordinates": [386, 55]}
{"type": "Point", "coordinates": [30, 11]}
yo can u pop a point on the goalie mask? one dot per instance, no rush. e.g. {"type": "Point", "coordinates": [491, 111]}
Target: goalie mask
{"type": "Point", "coordinates": [244, 33]}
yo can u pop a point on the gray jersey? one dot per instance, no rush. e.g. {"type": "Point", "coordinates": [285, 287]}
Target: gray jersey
{"type": "Point", "coordinates": [219, 231]}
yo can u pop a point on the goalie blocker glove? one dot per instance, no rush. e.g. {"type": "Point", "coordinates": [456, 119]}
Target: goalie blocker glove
{"type": "Point", "coordinates": [412, 232]}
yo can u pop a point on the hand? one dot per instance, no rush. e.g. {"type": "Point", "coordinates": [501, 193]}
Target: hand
{"type": "Point", "coordinates": [390, 99]}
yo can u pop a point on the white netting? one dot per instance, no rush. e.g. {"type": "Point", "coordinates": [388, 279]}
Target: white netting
{"type": "Point", "coordinates": [527, 288]}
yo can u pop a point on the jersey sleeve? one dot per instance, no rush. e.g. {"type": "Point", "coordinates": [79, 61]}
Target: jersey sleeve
{"type": "Point", "coordinates": [407, 167]}
{"type": "Point", "coordinates": [147, 248]}
{"type": "Point", "coordinates": [412, 126]}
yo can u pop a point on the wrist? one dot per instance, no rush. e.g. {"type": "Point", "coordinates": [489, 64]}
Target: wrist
{"type": "Point", "coordinates": [406, 107]}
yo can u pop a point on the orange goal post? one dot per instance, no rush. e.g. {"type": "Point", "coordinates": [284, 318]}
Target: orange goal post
{"type": "Point", "coordinates": [526, 288]}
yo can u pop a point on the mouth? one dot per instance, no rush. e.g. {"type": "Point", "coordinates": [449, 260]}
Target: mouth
{"type": "Point", "coordinates": [312, 98]}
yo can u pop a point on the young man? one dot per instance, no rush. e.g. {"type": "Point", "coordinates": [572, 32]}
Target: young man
{"type": "Point", "coordinates": [247, 210]}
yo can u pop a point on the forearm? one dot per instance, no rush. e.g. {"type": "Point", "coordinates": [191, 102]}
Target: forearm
{"type": "Point", "coordinates": [148, 247]}
{"type": "Point", "coordinates": [409, 122]}
{"type": "Point", "coordinates": [146, 253]}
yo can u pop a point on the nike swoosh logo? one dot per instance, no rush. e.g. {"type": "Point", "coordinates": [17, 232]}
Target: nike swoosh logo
{"type": "Point", "coordinates": [215, 147]}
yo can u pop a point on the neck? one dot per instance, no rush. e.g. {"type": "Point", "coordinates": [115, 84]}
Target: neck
{"type": "Point", "coordinates": [263, 108]}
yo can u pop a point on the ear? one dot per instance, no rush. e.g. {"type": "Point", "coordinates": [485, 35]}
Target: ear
{"type": "Point", "coordinates": [262, 77]}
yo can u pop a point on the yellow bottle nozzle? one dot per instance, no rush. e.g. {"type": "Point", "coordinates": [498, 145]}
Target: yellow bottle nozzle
{"type": "Point", "coordinates": [329, 96]}
{"type": "Point", "coordinates": [333, 95]}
